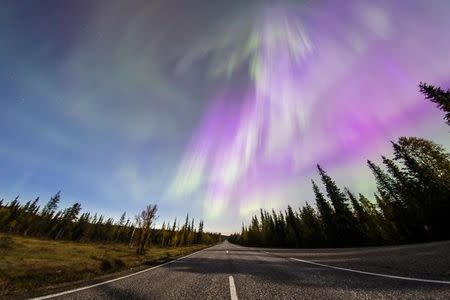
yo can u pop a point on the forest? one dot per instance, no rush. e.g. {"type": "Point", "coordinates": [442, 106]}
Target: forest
{"type": "Point", "coordinates": [411, 204]}
{"type": "Point", "coordinates": [49, 222]}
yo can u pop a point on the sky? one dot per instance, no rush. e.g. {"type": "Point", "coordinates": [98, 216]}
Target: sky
{"type": "Point", "coordinates": [212, 108]}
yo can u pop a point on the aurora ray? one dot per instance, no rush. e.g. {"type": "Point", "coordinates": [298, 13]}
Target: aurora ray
{"type": "Point", "coordinates": [312, 99]}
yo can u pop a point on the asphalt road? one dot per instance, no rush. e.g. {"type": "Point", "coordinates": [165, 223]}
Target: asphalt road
{"type": "Point", "coordinates": [227, 271]}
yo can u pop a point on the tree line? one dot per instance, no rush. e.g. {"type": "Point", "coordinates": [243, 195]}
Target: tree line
{"type": "Point", "coordinates": [49, 222]}
{"type": "Point", "coordinates": [411, 204]}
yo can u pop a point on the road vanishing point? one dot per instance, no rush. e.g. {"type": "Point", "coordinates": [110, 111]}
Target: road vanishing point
{"type": "Point", "coordinates": [228, 271]}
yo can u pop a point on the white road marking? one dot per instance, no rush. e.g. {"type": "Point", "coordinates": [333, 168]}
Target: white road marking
{"type": "Point", "coordinates": [373, 274]}
{"type": "Point", "coordinates": [232, 288]}
{"type": "Point", "coordinates": [115, 279]}
{"type": "Point", "coordinates": [227, 251]}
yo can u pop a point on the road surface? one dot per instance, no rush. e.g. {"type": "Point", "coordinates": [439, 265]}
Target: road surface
{"type": "Point", "coordinates": [228, 271]}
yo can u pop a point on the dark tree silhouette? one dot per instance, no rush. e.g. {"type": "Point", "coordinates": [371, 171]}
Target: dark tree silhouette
{"type": "Point", "coordinates": [412, 205]}
{"type": "Point", "coordinates": [345, 222]}
{"type": "Point", "coordinates": [437, 96]}
{"type": "Point", "coordinates": [68, 224]}
{"type": "Point", "coordinates": [326, 214]}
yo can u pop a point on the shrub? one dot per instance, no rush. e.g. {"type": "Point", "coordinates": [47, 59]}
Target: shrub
{"type": "Point", "coordinates": [118, 263]}
{"type": "Point", "coordinates": [6, 242]}
{"type": "Point", "coordinates": [105, 265]}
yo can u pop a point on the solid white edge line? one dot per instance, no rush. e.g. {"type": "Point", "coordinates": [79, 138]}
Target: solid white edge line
{"type": "Point", "coordinates": [373, 274]}
{"type": "Point", "coordinates": [233, 293]}
{"type": "Point", "coordinates": [116, 279]}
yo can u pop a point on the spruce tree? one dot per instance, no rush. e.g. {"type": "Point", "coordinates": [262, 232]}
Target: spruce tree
{"type": "Point", "coordinates": [312, 229]}
{"type": "Point", "coordinates": [337, 198]}
{"type": "Point", "coordinates": [200, 232]}
{"type": "Point", "coordinates": [365, 225]}
{"type": "Point", "coordinates": [437, 96]}
{"type": "Point", "coordinates": [293, 230]}
{"type": "Point", "coordinates": [326, 213]}
{"type": "Point", "coordinates": [429, 165]}
{"type": "Point", "coordinates": [374, 220]}
{"type": "Point", "coordinates": [345, 221]}
{"type": "Point", "coordinates": [359, 211]}
{"type": "Point", "coordinates": [383, 180]}
{"type": "Point", "coordinates": [49, 209]}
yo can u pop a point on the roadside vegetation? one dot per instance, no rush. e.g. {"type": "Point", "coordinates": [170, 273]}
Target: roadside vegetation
{"type": "Point", "coordinates": [44, 247]}
{"type": "Point", "coordinates": [68, 224]}
{"type": "Point", "coordinates": [412, 202]}
{"type": "Point", "coordinates": [32, 266]}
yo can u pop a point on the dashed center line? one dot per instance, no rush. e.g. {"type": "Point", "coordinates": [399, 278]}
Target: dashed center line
{"type": "Point", "coordinates": [233, 293]}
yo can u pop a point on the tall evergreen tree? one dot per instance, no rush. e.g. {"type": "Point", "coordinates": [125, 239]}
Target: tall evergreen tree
{"type": "Point", "coordinates": [383, 180]}
{"type": "Point", "coordinates": [337, 198]}
{"type": "Point", "coordinates": [312, 232]}
{"type": "Point", "coordinates": [66, 222]}
{"type": "Point", "coordinates": [344, 220]}
{"type": "Point", "coordinates": [49, 209]}
{"type": "Point", "coordinates": [437, 96]}
{"type": "Point", "coordinates": [200, 232]}
{"type": "Point", "coordinates": [28, 219]}
{"type": "Point", "coordinates": [429, 165]}
{"type": "Point", "coordinates": [293, 229]}
{"type": "Point", "coordinates": [326, 214]}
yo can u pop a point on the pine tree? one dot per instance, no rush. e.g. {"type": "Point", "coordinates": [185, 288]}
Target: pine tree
{"type": "Point", "coordinates": [337, 198]}
{"type": "Point", "coordinates": [254, 236]}
{"type": "Point", "coordinates": [359, 211]}
{"type": "Point", "coordinates": [312, 229]}
{"type": "Point", "coordinates": [145, 221]}
{"type": "Point", "coordinates": [383, 180]}
{"type": "Point", "coordinates": [374, 220]}
{"type": "Point", "coordinates": [344, 220]}
{"type": "Point", "coordinates": [79, 230]}
{"type": "Point", "coordinates": [293, 229]}
{"type": "Point", "coordinates": [122, 219]}
{"type": "Point", "coordinates": [200, 232]}
{"type": "Point", "coordinates": [402, 184]}
{"type": "Point", "coordinates": [173, 237]}
{"type": "Point", "coordinates": [49, 209]}
{"type": "Point", "coordinates": [429, 166]}
{"type": "Point", "coordinates": [437, 96]}
{"type": "Point", "coordinates": [367, 227]}
{"type": "Point", "coordinates": [68, 217]}
{"type": "Point", "coordinates": [326, 214]}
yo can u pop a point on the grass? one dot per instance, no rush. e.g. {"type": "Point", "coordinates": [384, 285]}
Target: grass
{"type": "Point", "coordinates": [31, 266]}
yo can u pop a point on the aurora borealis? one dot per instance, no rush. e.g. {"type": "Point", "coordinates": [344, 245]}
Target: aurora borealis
{"type": "Point", "coordinates": [214, 108]}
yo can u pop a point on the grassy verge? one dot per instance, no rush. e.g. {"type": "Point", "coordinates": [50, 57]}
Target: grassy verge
{"type": "Point", "coordinates": [30, 266]}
